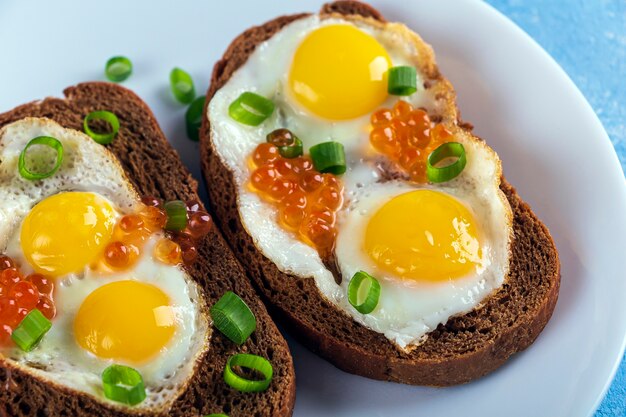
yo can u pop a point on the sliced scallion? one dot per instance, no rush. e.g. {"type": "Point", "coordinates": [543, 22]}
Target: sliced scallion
{"type": "Point", "coordinates": [232, 316]}
{"type": "Point", "coordinates": [329, 157]}
{"type": "Point", "coordinates": [176, 211]}
{"type": "Point", "coordinates": [123, 385]}
{"type": "Point", "coordinates": [193, 118]}
{"type": "Point", "coordinates": [41, 140]}
{"type": "Point", "coordinates": [118, 68]}
{"type": "Point", "coordinates": [446, 173]}
{"type": "Point", "coordinates": [31, 330]}
{"type": "Point", "coordinates": [251, 109]}
{"type": "Point", "coordinates": [402, 81]}
{"type": "Point", "coordinates": [372, 294]}
{"type": "Point", "coordinates": [254, 363]}
{"type": "Point", "coordinates": [107, 116]}
{"type": "Point", "coordinates": [182, 86]}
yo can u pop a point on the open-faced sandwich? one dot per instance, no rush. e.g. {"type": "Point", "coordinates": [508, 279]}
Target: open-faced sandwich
{"type": "Point", "coordinates": [372, 220]}
{"type": "Point", "coordinates": [118, 296]}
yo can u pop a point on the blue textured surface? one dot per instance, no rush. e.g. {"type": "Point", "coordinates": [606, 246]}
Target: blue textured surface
{"type": "Point", "coordinates": [588, 39]}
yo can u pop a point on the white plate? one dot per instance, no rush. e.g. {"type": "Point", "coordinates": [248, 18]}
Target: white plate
{"type": "Point", "coordinates": [553, 148]}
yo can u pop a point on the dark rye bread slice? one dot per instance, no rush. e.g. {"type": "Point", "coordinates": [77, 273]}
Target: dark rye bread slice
{"type": "Point", "coordinates": [466, 347]}
{"type": "Point", "coordinates": [155, 169]}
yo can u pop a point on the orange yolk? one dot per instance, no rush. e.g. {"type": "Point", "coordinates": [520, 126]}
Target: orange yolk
{"type": "Point", "coordinates": [127, 321]}
{"type": "Point", "coordinates": [66, 231]}
{"type": "Point", "coordinates": [424, 235]}
{"type": "Point", "coordinates": [339, 72]}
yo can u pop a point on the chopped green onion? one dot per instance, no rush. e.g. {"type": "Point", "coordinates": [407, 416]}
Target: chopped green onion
{"type": "Point", "coordinates": [176, 215]}
{"type": "Point", "coordinates": [31, 330]}
{"type": "Point", "coordinates": [41, 140]}
{"type": "Point", "coordinates": [289, 145]}
{"type": "Point", "coordinates": [232, 316]}
{"type": "Point", "coordinates": [193, 118]}
{"type": "Point", "coordinates": [329, 157]}
{"type": "Point", "coordinates": [402, 81]}
{"type": "Point", "coordinates": [251, 109]}
{"type": "Point", "coordinates": [292, 151]}
{"type": "Point", "coordinates": [107, 116]}
{"type": "Point", "coordinates": [216, 415]}
{"type": "Point", "coordinates": [123, 384]}
{"type": "Point", "coordinates": [371, 298]}
{"type": "Point", "coordinates": [252, 362]}
{"type": "Point", "coordinates": [182, 86]}
{"type": "Point", "coordinates": [448, 172]}
{"type": "Point", "coordinates": [118, 68]}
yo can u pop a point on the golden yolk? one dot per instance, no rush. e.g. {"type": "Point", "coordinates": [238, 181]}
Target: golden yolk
{"type": "Point", "coordinates": [128, 321]}
{"type": "Point", "coordinates": [339, 72]}
{"type": "Point", "coordinates": [66, 231]}
{"type": "Point", "coordinates": [423, 235]}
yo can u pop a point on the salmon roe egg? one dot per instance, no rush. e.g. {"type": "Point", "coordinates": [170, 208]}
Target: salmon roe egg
{"type": "Point", "coordinates": [154, 218]}
{"type": "Point", "coordinates": [6, 262]}
{"type": "Point", "coordinates": [407, 136]}
{"type": "Point", "coordinates": [168, 252]}
{"type": "Point", "coordinates": [118, 255]}
{"type": "Point", "coordinates": [5, 334]}
{"type": "Point", "coordinates": [44, 285]}
{"type": "Point", "coordinates": [152, 201]}
{"type": "Point", "coordinates": [199, 224]}
{"type": "Point", "coordinates": [131, 222]}
{"type": "Point", "coordinates": [46, 306]}
{"type": "Point", "coordinates": [25, 295]}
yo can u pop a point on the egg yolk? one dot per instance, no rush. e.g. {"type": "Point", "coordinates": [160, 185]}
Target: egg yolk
{"type": "Point", "coordinates": [423, 235]}
{"type": "Point", "coordinates": [66, 231]}
{"type": "Point", "coordinates": [127, 321]}
{"type": "Point", "coordinates": [339, 72]}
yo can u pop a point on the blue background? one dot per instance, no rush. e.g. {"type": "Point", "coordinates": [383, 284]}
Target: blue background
{"type": "Point", "coordinates": [588, 39]}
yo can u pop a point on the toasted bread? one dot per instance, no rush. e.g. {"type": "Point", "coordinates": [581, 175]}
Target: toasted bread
{"type": "Point", "coordinates": [154, 168]}
{"type": "Point", "coordinates": [466, 347]}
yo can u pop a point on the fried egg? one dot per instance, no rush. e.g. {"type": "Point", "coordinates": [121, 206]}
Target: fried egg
{"type": "Point", "coordinates": [437, 250]}
{"type": "Point", "coordinates": [150, 317]}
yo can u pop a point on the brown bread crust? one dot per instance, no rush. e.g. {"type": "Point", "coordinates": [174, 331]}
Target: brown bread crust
{"type": "Point", "coordinates": [465, 348]}
{"type": "Point", "coordinates": [154, 168]}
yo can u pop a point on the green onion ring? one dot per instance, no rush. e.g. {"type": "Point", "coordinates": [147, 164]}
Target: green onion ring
{"type": "Point", "coordinates": [251, 109]}
{"type": "Point", "coordinates": [176, 215]}
{"type": "Point", "coordinates": [402, 81]}
{"type": "Point", "coordinates": [373, 293]}
{"type": "Point", "coordinates": [123, 384]}
{"type": "Point", "coordinates": [31, 330]}
{"type": "Point", "coordinates": [182, 86]}
{"type": "Point", "coordinates": [232, 316]}
{"type": "Point", "coordinates": [448, 172]}
{"type": "Point", "coordinates": [292, 151]}
{"type": "Point", "coordinates": [329, 157]}
{"type": "Point", "coordinates": [107, 116]}
{"type": "Point", "coordinates": [254, 362]}
{"type": "Point", "coordinates": [41, 140]}
{"type": "Point", "coordinates": [193, 118]}
{"type": "Point", "coordinates": [118, 68]}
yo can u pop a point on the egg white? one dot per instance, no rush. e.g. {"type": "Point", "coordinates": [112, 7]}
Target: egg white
{"type": "Point", "coordinates": [398, 316]}
{"type": "Point", "coordinates": [87, 166]}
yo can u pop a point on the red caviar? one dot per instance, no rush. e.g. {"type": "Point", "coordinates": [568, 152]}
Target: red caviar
{"type": "Point", "coordinates": [168, 252]}
{"type": "Point", "coordinates": [307, 200]}
{"type": "Point", "coordinates": [19, 295]}
{"type": "Point", "coordinates": [133, 230]}
{"type": "Point", "coordinates": [407, 136]}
